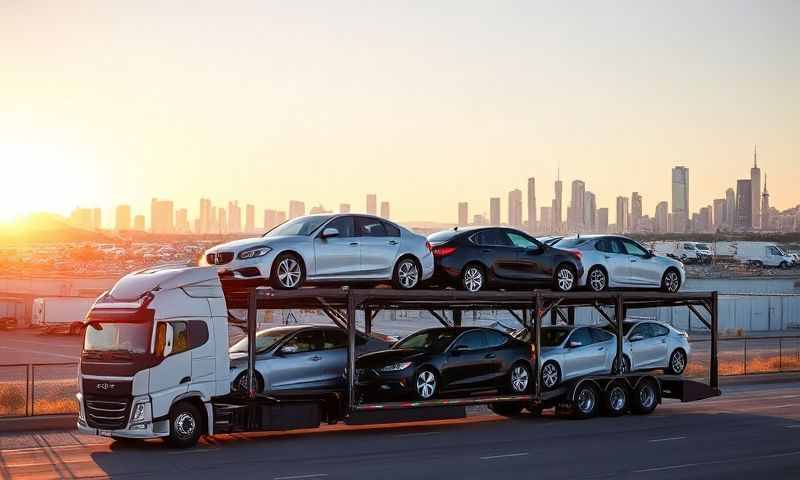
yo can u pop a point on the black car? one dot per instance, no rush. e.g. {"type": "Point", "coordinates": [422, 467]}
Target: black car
{"type": "Point", "coordinates": [438, 360]}
{"type": "Point", "coordinates": [474, 259]}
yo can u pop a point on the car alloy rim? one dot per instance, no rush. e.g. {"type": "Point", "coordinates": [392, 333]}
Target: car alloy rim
{"type": "Point", "coordinates": [672, 282]}
{"type": "Point", "coordinates": [586, 400]}
{"type": "Point", "coordinates": [616, 398]}
{"type": "Point", "coordinates": [625, 365]}
{"type": "Point", "coordinates": [646, 396]}
{"type": "Point", "coordinates": [519, 379]}
{"type": "Point", "coordinates": [426, 384]}
{"type": "Point", "coordinates": [549, 375]}
{"type": "Point", "coordinates": [473, 279]}
{"type": "Point", "coordinates": [408, 274]}
{"type": "Point", "coordinates": [597, 280]}
{"type": "Point", "coordinates": [565, 279]}
{"type": "Point", "coordinates": [185, 425]}
{"type": "Point", "coordinates": [289, 272]}
{"type": "Point", "coordinates": [678, 362]}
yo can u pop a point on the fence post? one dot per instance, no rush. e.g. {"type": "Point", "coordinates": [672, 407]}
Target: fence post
{"type": "Point", "coordinates": [780, 354]}
{"type": "Point", "coordinates": [28, 413]}
{"type": "Point", "coordinates": [33, 389]}
{"type": "Point", "coordinates": [745, 355]}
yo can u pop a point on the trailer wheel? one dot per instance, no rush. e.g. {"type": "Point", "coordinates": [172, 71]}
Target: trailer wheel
{"type": "Point", "coordinates": [506, 409]}
{"type": "Point", "coordinates": [185, 425]}
{"type": "Point", "coordinates": [615, 400]}
{"type": "Point", "coordinates": [586, 401]}
{"type": "Point", "coordinates": [645, 397]}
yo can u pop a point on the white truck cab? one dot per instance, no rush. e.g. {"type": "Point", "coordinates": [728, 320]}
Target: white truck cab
{"type": "Point", "coordinates": [155, 353]}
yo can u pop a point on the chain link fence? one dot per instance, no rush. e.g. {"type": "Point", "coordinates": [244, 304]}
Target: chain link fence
{"type": "Point", "coordinates": [38, 389]}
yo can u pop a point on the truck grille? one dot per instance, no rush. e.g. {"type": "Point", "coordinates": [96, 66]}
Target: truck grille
{"type": "Point", "coordinates": [107, 412]}
{"type": "Point", "coordinates": [220, 258]}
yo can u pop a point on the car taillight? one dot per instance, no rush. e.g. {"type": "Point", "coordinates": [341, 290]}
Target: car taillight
{"type": "Point", "coordinates": [577, 253]}
{"type": "Point", "coordinates": [443, 251]}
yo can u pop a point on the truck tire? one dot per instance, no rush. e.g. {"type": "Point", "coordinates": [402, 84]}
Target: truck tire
{"type": "Point", "coordinates": [645, 397]}
{"type": "Point", "coordinates": [615, 400]}
{"type": "Point", "coordinates": [185, 425]}
{"type": "Point", "coordinates": [586, 401]}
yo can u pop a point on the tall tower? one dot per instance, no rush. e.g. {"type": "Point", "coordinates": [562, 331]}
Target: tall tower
{"type": "Point", "coordinates": [680, 199]}
{"type": "Point", "coordinates": [557, 219]}
{"type": "Point", "coordinates": [755, 183]}
{"type": "Point", "coordinates": [765, 206]}
{"type": "Point", "coordinates": [531, 205]}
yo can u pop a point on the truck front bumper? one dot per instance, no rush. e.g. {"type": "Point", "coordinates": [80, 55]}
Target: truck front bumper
{"type": "Point", "coordinates": [142, 427]}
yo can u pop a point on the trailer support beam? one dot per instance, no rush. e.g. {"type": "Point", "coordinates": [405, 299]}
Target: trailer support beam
{"type": "Point", "coordinates": [537, 319]}
{"type": "Point", "coordinates": [619, 314]}
{"type": "Point", "coordinates": [698, 315]}
{"type": "Point", "coordinates": [441, 318]}
{"type": "Point", "coordinates": [351, 352]}
{"type": "Point", "coordinates": [714, 364]}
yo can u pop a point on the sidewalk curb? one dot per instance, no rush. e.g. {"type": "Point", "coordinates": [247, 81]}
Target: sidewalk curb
{"type": "Point", "coordinates": [39, 423]}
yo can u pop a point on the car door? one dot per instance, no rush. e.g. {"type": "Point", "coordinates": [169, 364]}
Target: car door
{"type": "Point", "coordinates": [607, 345]}
{"type": "Point", "coordinates": [468, 361]}
{"type": "Point", "coordinates": [614, 260]}
{"type": "Point", "coordinates": [334, 358]}
{"type": "Point", "coordinates": [499, 355]}
{"type": "Point", "coordinates": [498, 253]}
{"type": "Point", "coordinates": [644, 348]}
{"type": "Point", "coordinates": [531, 263]}
{"type": "Point", "coordinates": [661, 351]}
{"type": "Point", "coordinates": [580, 354]}
{"type": "Point", "coordinates": [644, 268]}
{"type": "Point", "coordinates": [378, 248]}
{"type": "Point", "coordinates": [338, 256]}
{"type": "Point", "coordinates": [295, 365]}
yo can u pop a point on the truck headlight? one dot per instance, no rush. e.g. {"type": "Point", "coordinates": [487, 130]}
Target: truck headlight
{"type": "Point", "coordinates": [254, 252]}
{"type": "Point", "coordinates": [396, 367]}
{"type": "Point", "coordinates": [140, 412]}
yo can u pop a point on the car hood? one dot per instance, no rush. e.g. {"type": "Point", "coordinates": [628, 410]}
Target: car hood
{"type": "Point", "coordinates": [238, 245]}
{"type": "Point", "coordinates": [387, 357]}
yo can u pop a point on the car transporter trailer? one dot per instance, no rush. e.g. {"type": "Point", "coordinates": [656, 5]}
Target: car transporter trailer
{"type": "Point", "coordinates": [642, 391]}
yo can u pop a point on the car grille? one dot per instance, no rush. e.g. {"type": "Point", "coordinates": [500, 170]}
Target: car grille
{"type": "Point", "coordinates": [220, 258]}
{"type": "Point", "coordinates": [107, 412]}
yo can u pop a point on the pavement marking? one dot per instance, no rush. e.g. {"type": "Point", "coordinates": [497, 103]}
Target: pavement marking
{"type": "Point", "coordinates": [669, 467]}
{"type": "Point", "coordinates": [668, 439]}
{"type": "Point", "coordinates": [419, 434]}
{"type": "Point", "coordinates": [716, 462]}
{"type": "Point", "coordinates": [296, 477]}
{"type": "Point", "coordinates": [492, 457]}
{"type": "Point", "coordinates": [795, 425]}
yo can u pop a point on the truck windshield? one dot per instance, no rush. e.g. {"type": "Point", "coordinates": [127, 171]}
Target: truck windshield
{"type": "Point", "coordinates": [703, 246]}
{"type": "Point", "coordinates": [107, 336]}
{"type": "Point", "coordinates": [298, 226]}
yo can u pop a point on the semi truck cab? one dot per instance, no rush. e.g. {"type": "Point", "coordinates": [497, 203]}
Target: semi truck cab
{"type": "Point", "coordinates": [155, 353]}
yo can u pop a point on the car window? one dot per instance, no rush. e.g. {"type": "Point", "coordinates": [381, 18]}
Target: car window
{"type": "Point", "coordinates": [492, 237]}
{"type": "Point", "coordinates": [334, 339]}
{"type": "Point", "coordinates": [345, 225]}
{"type": "Point", "coordinates": [432, 340]}
{"type": "Point", "coordinates": [642, 329]}
{"type": "Point", "coordinates": [307, 341]}
{"type": "Point", "coordinates": [571, 242]}
{"type": "Point", "coordinates": [773, 251]}
{"type": "Point", "coordinates": [495, 339]}
{"type": "Point", "coordinates": [521, 241]}
{"type": "Point", "coordinates": [473, 340]}
{"type": "Point", "coordinates": [581, 335]}
{"type": "Point", "coordinates": [600, 335]}
{"type": "Point", "coordinates": [391, 229]}
{"type": "Point", "coordinates": [633, 248]}
{"type": "Point", "coordinates": [658, 330]}
{"type": "Point", "coordinates": [370, 227]}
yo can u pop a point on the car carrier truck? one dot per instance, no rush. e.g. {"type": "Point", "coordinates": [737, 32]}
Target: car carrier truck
{"type": "Point", "coordinates": [155, 360]}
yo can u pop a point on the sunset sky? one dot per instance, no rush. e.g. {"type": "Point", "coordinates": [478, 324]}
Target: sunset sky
{"type": "Point", "coordinates": [425, 103]}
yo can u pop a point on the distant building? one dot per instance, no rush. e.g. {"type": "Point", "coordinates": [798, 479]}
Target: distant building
{"type": "Point", "coordinates": [557, 204]}
{"type": "Point", "coordinates": [494, 211]}
{"type": "Point", "coordinates": [162, 218]}
{"type": "Point", "coordinates": [480, 220]}
{"type": "Point", "coordinates": [730, 209]}
{"type": "Point", "coordinates": [296, 209]}
{"type": "Point", "coordinates": [576, 206]}
{"type": "Point", "coordinates": [182, 221]}
{"type": "Point", "coordinates": [97, 219]}
{"type": "Point", "coordinates": [546, 219]}
{"type": "Point", "coordinates": [319, 209]}
{"type": "Point", "coordinates": [250, 218]}
{"type": "Point", "coordinates": [589, 211]}
{"type": "Point", "coordinates": [344, 208]}
{"type": "Point", "coordinates": [623, 215]}
{"type": "Point", "coordinates": [385, 213]}
{"type": "Point", "coordinates": [719, 214]}
{"type": "Point", "coordinates": [744, 211]}
{"type": "Point", "coordinates": [222, 221]}
{"type": "Point", "coordinates": [532, 222]}
{"type": "Point", "coordinates": [138, 223]}
{"type": "Point", "coordinates": [463, 213]}
{"type": "Point", "coordinates": [755, 191]}
{"type": "Point", "coordinates": [636, 211]}
{"type": "Point", "coordinates": [82, 218]}
{"type": "Point", "coordinates": [205, 220]}
{"type": "Point", "coordinates": [515, 208]}
{"type": "Point", "coordinates": [704, 220]}
{"type": "Point", "coordinates": [602, 220]}
{"type": "Point", "coordinates": [661, 222]}
{"type": "Point", "coordinates": [680, 199]}
{"type": "Point", "coordinates": [765, 220]}
{"type": "Point", "coordinates": [123, 218]}
{"type": "Point", "coordinates": [372, 204]}
{"type": "Point", "coordinates": [234, 217]}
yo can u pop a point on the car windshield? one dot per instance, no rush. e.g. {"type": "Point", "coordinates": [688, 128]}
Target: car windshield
{"type": "Point", "coordinates": [265, 339]}
{"type": "Point", "coordinates": [298, 226]}
{"type": "Point", "coordinates": [551, 337]}
{"type": "Point", "coordinates": [703, 246]}
{"type": "Point", "coordinates": [689, 246]}
{"type": "Point", "coordinates": [570, 242]}
{"type": "Point", "coordinates": [107, 337]}
{"type": "Point", "coordinates": [431, 340]}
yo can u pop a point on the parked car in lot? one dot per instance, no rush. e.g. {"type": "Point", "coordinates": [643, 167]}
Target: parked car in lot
{"type": "Point", "coordinates": [569, 352]}
{"type": "Point", "coordinates": [654, 345]}
{"type": "Point", "coordinates": [436, 361]}
{"type": "Point", "coordinates": [613, 261]}
{"type": "Point", "coordinates": [327, 248]}
{"type": "Point", "coordinates": [299, 358]}
{"type": "Point", "coordinates": [481, 258]}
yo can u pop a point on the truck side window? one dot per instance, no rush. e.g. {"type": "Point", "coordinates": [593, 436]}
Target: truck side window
{"type": "Point", "coordinates": [198, 333]}
{"type": "Point", "coordinates": [180, 337]}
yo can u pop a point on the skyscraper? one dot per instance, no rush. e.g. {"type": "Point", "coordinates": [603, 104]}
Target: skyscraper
{"type": "Point", "coordinates": [575, 220]}
{"type": "Point", "coordinates": [182, 221]}
{"type": "Point", "coordinates": [250, 218]}
{"type": "Point", "coordinates": [755, 193]}
{"type": "Point", "coordinates": [297, 209]}
{"type": "Point", "coordinates": [589, 211]}
{"type": "Point", "coordinates": [558, 187]}
{"type": "Point", "coordinates": [463, 213]}
{"type": "Point", "coordinates": [532, 223]}
{"type": "Point", "coordinates": [82, 218]}
{"type": "Point", "coordinates": [138, 223]}
{"type": "Point", "coordinates": [270, 219]}
{"type": "Point", "coordinates": [765, 207]}
{"type": "Point", "coordinates": [602, 220]}
{"type": "Point", "coordinates": [515, 208]}
{"type": "Point", "coordinates": [344, 208]}
{"type": "Point", "coordinates": [97, 219]}
{"type": "Point", "coordinates": [206, 219]}
{"type": "Point", "coordinates": [719, 213]}
{"type": "Point", "coordinates": [730, 209]}
{"type": "Point", "coordinates": [744, 211]}
{"type": "Point", "coordinates": [546, 218]}
{"type": "Point", "coordinates": [222, 221]}
{"type": "Point", "coordinates": [636, 211]}
{"type": "Point", "coordinates": [123, 218]}
{"type": "Point", "coordinates": [623, 215]}
{"type": "Point", "coordinates": [161, 216]}
{"type": "Point", "coordinates": [662, 217]}
{"type": "Point", "coordinates": [372, 204]}
{"type": "Point", "coordinates": [680, 199]}
{"type": "Point", "coordinates": [234, 217]}
{"type": "Point", "coordinates": [385, 210]}
{"type": "Point", "coordinates": [494, 211]}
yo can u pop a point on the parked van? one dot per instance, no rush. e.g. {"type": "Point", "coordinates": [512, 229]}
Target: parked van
{"type": "Point", "coordinates": [762, 254]}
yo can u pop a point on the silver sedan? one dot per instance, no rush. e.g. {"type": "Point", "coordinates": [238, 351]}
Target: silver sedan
{"type": "Point", "coordinates": [613, 261]}
{"type": "Point", "coordinates": [652, 345]}
{"type": "Point", "coordinates": [327, 248]}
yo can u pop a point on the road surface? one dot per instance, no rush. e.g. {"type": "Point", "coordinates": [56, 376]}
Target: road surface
{"type": "Point", "coordinates": [752, 431]}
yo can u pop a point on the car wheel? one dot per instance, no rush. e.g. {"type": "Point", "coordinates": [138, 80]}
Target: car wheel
{"type": "Point", "coordinates": [626, 365]}
{"type": "Point", "coordinates": [288, 272]}
{"type": "Point", "coordinates": [586, 399]}
{"type": "Point", "coordinates": [506, 409]}
{"type": "Point", "coordinates": [426, 384]}
{"type": "Point", "coordinates": [671, 281]}
{"type": "Point", "coordinates": [473, 279]}
{"type": "Point", "coordinates": [597, 279]}
{"type": "Point", "coordinates": [241, 383]}
{"type": "Point", "coordinates": [551, 375]}
{"type": "Point", "coordinates": [406, 274]}
{"type": "Point", "coordinates": [519, 379]}
{"type": "Point", "coordinates": [645, 397]}
{"type": "Point", "coordinates": [615, 400]}
{"type": "Point", "coordinates": [565, 278]}
{"type": "Point", "coordinates": [185, 425]}
{"type": "Point", "coordinates": [783, 266]}
{"type": "Point", "coordinates": [759, 264]}
{"type": "Point", "coordinates": [677, 362]}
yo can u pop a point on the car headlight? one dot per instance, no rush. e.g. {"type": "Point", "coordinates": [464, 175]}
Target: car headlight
{"type": "Point", "coordinates": [254, 252]}
{"type": "Point", "coordinates": [396, 367]}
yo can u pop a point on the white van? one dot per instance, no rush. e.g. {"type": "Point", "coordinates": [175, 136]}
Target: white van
{"type": "Point", "coordinates": [762, 254]}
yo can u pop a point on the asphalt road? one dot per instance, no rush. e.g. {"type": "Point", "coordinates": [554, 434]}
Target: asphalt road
{"type": "Point", "coordinates": [30, 346]}
{"type": "Point", "coordinates": [750, 430]}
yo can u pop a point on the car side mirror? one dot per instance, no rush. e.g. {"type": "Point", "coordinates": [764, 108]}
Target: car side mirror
{"type": "Point", "coordinates": [330, 232]}
{"type": "Point", "coordinates": [651, 253]}
{"type": "Point", "coordinates": [637, 337]}
{"type": "Point", "coordinates": [575, 344]}
{"type": "Point", "coordinates": [288, 349]}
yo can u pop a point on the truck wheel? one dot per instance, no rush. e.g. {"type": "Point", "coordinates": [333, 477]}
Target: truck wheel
{"type": "Point", "coordinates": [506, 409]}
{"type": "Point", "coordinates": [645, 397]}
{"type": "Point", "coordinates": [586, 400]}
{"type": "Point", "coordinates": [185, 425]}
{"type": "Point", "coordinates": [615, 400]}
